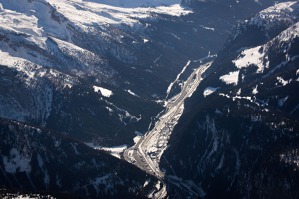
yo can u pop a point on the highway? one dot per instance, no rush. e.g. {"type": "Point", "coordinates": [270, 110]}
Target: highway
{"type": "Point", "coordinates": [147, 152]}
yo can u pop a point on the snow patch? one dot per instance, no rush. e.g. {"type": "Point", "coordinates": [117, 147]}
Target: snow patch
{"type": "Point", "coordinates": [255, 91]}
{"type": "Point", "coordinates": [105, 92]}
{"type": "Point", "coordinates": [27, 196]}
{"type": "Point", "coordinates": [124, 116]}
{"type": "Point", "coordinates": [16, 162]}
{"type": "Point", "coordinates": [231, 78]}
{"type": "Point", "coordinates": [207, 28]}
{"type": "Point", "coordinates": [252, 56]}
{"type": "Point", "coordinates": [158, 186]}
{"type": "Point", "coordinates": [110, 110]}
{"type": "Point", "coordinates": [103, 183]}
{"type": "Point", "coordinates": [282, 101]}
{"type": "Point", "coordinates": [132, 93]}
{"type": "Point", "coordinates": [137, 137]}
{"type": "Point", "coordinates": [175, 36]}
{"type": "Point", "coordinates": [290, 157]}
{"type": "Point", "coordinates": [177, 78]}
{"type": "Point", "coordinates": [146, 183]}
{"type": "Point", "coordinates": [114, 151]}
{"type": "Point", "coordinates": [282, 81]}
{"type": "Point", "coordinates": [209, 90]}
{"type": "Point", "coordinates": [239, 92]}
{"type": "Point", "coordinates": [256, 118]}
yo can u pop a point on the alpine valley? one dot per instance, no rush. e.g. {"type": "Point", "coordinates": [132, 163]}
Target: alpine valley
{"type": "Point", "coordinates": [149, 99]}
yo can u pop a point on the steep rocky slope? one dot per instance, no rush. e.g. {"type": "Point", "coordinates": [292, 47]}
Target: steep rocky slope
{"type": "Point", "coordinates": [61, 58]}
{"type": "Point", "coordinates": [43, 161]}
{"type": "Point", "coordinates": [239, 134]}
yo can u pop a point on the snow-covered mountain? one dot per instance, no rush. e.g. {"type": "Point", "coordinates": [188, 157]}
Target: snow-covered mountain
{"type": "Point", "coordinates": [241, 135]}
{"type": "Point", "coordinates": [53, 47]}
{"type": "Point", "coordinates": [54, 53]}
{"type": "Point", "coordinates": [98, 71]}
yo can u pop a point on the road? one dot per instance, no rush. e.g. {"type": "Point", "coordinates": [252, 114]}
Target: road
{"type": "Point", "coordinates": [147, 152]}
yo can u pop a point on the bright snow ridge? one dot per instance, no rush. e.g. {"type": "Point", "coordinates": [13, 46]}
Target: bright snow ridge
{"type": "Point", "coordinates": [290, 33]}
{"type": "Point", "coordinates": [282, 12]}
{"type": "Point", "coordinates": [231, 78]}
{"type": "Point", "coordinates": [114, 12]}
{"type": "Point", "coordinates": [34, 17]}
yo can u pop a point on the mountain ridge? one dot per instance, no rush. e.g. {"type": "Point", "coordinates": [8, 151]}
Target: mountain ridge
{"type": "Point", "coordinates": [242, 122]}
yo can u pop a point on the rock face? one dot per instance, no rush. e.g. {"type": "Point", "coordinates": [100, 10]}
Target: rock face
{"type": "Point", "coordinates": [239, 134]}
